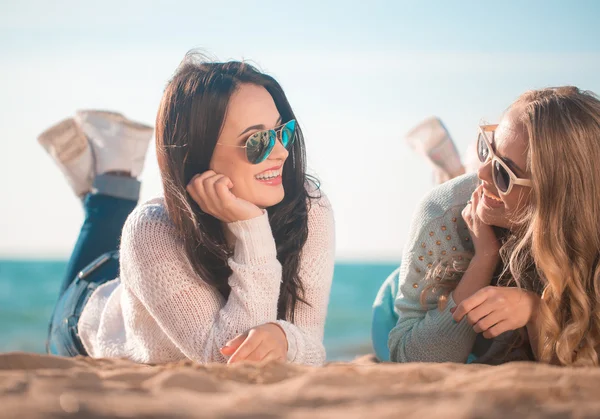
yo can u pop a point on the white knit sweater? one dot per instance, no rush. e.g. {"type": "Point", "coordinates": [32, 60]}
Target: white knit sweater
{"type": "Point", "coordinates": [159, 310]}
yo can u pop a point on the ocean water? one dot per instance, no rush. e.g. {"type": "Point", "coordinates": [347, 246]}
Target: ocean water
{"type": "Point", "coordinates": [29, 288]}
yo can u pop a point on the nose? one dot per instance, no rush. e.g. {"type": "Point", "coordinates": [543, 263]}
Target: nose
{"type": "Point", "coordinates": [484, 172]}
{"type": "Point", "coordinates": [279, 152]}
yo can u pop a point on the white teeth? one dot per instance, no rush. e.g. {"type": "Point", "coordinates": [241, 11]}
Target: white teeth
{"type": "Point", "coordinates": [271, 174]}
{"type": "Point", "coordinates": [492, 197]}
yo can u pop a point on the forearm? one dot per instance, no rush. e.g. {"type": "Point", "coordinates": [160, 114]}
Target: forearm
{"type": "Point", "coordinates": [435, 337]}
{"type": "Point", "coordinates": [304, 346]}
{"type": "Point", "coordinates": [256, 272]}
{"type": "Point", "coordinates": [533, 326]}
{"type": "Point", "coordinates": [478, 275]}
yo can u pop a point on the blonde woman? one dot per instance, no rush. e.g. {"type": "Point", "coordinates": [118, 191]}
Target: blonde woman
{"type": "Point", "coordinates": [506, 265]}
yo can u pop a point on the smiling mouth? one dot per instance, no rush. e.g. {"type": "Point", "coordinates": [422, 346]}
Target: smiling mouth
{"type": "Point", "coordinates": [492, 196]}
{"type": "Point", "coordinates": [269, 174]}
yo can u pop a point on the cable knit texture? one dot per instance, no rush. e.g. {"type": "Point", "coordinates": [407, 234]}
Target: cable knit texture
{"type": "Point", "coordinates": [159, 310]}
{"type": "Point", "coordinates": [423, 333]}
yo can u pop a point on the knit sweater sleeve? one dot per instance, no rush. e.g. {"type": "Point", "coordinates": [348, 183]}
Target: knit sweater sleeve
{"type": "Point", "coordinates": [191, 313]}
{"type": "Point", "coordinates": [424, 333]}
{"type": "Point", "coordinates": [305, 335]}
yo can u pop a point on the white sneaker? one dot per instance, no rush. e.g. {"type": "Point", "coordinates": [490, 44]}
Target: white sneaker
{"type": "Point", "coordinates": [69, 148]}
{"type": "Point", "coordinates": [118, 144]}
{"type": "Point", "coordinates": [431, 139]}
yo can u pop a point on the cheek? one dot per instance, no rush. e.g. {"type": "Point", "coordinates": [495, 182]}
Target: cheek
{"type": "Point", "coordinates": [225, 164]}
{"type": "Point", "coordinates": [238, 170]}
{"type": "Point", "coordinates": [517, 200]}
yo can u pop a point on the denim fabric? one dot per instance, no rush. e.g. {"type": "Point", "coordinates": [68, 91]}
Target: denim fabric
{"type": "Point", "coordinates": [384, 316]}
{"type": "Point", "coordinates": [93, 262]}
{"type": "Point", "coordinates": [63, 338]}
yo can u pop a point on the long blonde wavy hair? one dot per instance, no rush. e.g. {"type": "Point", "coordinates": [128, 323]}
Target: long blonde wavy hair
{"type": "Point", "coordinates": [559, 233]}
{"type": "Point", "coordinates": [553, 247]}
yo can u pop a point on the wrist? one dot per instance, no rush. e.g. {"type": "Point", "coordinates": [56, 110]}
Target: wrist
{"type": "Point", "coordinates": [249, 215]}
{"type": "Point", "coordinates": [254, 242]}
{"type": "Point", "coordinates": [535, 301]}
{"type": "Point", "coordinates": [287, 345]}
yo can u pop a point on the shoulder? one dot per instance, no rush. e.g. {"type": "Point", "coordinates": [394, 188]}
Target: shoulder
{"type": "Point", "coordinates": [437, 225]}
{"type": "Point", "coordinates": [319, 207]}
{"type": "Point", "coordinates": [148, 221]}
{"type": "Point", "coordinates": [447, 196]}
{"type": "Point", "coordinates": [153, 210]}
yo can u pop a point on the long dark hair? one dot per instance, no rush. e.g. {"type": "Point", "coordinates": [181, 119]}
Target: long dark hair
{"type": "Point", "coordinates": [188, 124]}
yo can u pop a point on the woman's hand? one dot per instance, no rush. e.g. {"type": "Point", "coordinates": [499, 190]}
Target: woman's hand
{"type": "Point", "coordinates": [485, 241]}
{"type": "Point", "coordinates": [211, 192]}
{"type": "Point", "coordinates": [495, 310]}
{"type": "Point", "coordinates": [266, 342]}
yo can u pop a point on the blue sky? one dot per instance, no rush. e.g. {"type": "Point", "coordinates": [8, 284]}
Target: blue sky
{"type": "Point", "coordinates": [359, 75]}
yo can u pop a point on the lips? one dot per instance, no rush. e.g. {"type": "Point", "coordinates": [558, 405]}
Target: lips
{"type": "Point", "coordinates": [271, 169]}
{"type": "Point", "coordinates": [491, 200]}
{"type": "Point", "coordinates": [271, 176]}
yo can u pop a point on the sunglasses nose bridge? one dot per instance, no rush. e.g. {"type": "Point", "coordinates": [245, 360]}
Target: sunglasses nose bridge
{"type": "Point", "coordinates": [278, 151]}
{"type": "Point", "coordinates": [279, 135]}
{"type": "Point", "coordinates": [483, 146]}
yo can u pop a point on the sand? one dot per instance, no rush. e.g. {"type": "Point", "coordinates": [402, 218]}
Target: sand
{"type": "Point", "coordinates": [38, 386]}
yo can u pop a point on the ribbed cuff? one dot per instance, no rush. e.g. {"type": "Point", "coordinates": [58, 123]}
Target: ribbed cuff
{"type": "Point", "coordinates": [461, 330]}
{"type": "Point", "coordinates": [291, 339]}
{"type": "Point", "coordinates": [255, 244]}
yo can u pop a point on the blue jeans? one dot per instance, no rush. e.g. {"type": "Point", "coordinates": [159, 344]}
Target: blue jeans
{"type": "Point", "coordinates": [93, 262]}
{"type": "Point", "coordinates": [384, 316]}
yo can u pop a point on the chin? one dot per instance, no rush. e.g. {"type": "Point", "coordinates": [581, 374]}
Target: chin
{"type": "Point", "coordinates": [493, 217]}
{"type": "Point", "coordinates": [270, 199]}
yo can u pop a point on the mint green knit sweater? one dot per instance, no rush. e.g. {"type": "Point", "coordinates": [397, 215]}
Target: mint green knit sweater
{"type": "Point", "coordinates": [423, 332]}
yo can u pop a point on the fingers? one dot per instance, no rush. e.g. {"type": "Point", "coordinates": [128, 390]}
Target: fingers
{"type": "Point", "coordinates": [469, 213]}
{"type": "Point", "coordinates": [211, 200]}
{"type": "Point", "coordinates": [194, 188]}
{"type": "Point", "coordinates": [497, 329]}
{"type": "Point", "coordinates": [471, 303]}
{"type": "Point", "coordinates": [259, 352]}
{"type": "Point", "coordinates": [476, 197]}
{"type": "Point", "coordinates": [231, 346]}
{"type": "Point", "coordinates": [246, 348]}
{"type": "Point", "coordinates": [222, 190]}
{"type": "Point", "coordinates": [210, 191]}
{"type": "Point", "coordinates": [489, 321]}
{"type": "Point", "coordinates": [273, 356]}
{"type": "Point", "coordinates": [264, 352]}
{"type": "Point", "coordinates": [262, 343]}
{"type": "Point", "coordinates": [479, 312]}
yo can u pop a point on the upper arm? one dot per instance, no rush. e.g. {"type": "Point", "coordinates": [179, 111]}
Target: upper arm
{"type": "Point", "coordinates": [156, 270]}
{"type": "Point", "coordinates": [317, 263]}
{"type": "Point", "coordinates": [438, 235]}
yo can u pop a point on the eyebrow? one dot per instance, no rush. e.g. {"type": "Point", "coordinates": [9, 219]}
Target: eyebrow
{"type": "Point", "coordinates": [506, 160]}
{"type": "Point", "coordinates": [258, 127]}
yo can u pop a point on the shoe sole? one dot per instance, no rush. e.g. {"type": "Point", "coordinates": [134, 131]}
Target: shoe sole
{"type": "Point", "coordinates": [114, 117]}
{"type": "Point", "coordinates": [65, 141]}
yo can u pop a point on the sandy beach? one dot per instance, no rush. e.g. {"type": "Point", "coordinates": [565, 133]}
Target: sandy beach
{"type": "Point", "coordinates": [38, 386]}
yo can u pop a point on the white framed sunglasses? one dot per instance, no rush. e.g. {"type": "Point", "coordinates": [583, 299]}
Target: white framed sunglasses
{"type": "Point", "coordinates": [260, 144]}
{"type": "Point", "coordinates": [504, 178]}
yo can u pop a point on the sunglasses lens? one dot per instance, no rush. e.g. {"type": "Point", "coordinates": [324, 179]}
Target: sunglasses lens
{"type": "Point", "coordinates": [501, 177]}
{"type": "Point", "coordinates": [482, 149]}
{"type": "Point", "coordinates": [288, 132]}
{"type": "Point", "coordinates": [259, 146]}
